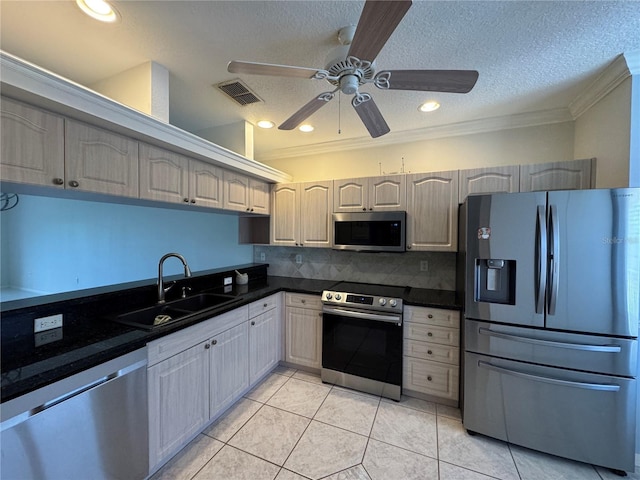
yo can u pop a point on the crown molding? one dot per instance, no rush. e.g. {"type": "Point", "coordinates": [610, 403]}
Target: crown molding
{"type": "Point", "coordinates": [613, 75]}
{"type": "Point", "coordinates": [529, 119]}
{"type": "Point", "coordinates": [28, 82]}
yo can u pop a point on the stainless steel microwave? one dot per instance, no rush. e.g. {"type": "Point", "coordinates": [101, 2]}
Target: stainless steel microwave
{"type": "Point", "coordinates": [370, 231]}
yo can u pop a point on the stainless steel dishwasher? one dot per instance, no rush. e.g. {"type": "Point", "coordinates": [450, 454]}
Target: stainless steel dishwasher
{"type": "Point", "coordinates": [91, 425]}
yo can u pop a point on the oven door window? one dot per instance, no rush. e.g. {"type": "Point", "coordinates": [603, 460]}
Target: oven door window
{"type": "Point", "coordinates": [364, 348]}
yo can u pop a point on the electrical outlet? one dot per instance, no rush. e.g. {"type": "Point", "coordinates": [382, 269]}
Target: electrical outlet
{"type": "Point", "coordinates": [47, 323]}
{"type": "Point", "coordinates": [228, 280]}
{"type": "Point", "coordinates": [424, 266]}
{"type": "Point", "coordinates": [263, 256]}
{"type": "Point", "coordinates": [298, 259]}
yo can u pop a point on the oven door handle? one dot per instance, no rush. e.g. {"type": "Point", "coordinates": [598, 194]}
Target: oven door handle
{"type": "Point", "coordinates": [397, 319]}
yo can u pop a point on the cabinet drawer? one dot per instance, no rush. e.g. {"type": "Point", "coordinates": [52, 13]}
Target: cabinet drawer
{"type": "Point", "coordinates": [263, 305]}
{"type": "Point", "coordinates": [304, 301]}
{"type": "Point", "coordinates": [431, 378]}
{"type": "Point", "coordinates": [170, 345]}
{"type": "Point", "coordinates": [432, 316]}
{"type": "Point", "coordinates": [431, 334]}
{"type": "Point", "coordinates": [432, 351]}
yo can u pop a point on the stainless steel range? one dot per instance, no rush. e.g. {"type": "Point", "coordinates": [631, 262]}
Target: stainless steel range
{"type": "Point", "coordinates": [362, 338]}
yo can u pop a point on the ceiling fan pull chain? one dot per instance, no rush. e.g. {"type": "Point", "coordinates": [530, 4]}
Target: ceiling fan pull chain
{"type": "Point", "coordinates": [339, 113]}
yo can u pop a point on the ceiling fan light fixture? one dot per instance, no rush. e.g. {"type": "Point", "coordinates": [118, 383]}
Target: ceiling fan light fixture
{"type": "Point", "coordinates": [99, 9]}
{"type": "Point", "coordinates": [306, 128]}
{"type": "Point", "coordinates": [266, 124]}
{"type": "Point", "coordinates": [430, 106]}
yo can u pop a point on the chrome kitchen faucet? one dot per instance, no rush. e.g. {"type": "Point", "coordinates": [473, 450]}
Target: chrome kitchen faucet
{"type": "Point", "coordinates": [161, 290]}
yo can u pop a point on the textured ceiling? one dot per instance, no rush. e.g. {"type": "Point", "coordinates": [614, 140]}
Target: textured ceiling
{"type": "Point", "coordinates": [531, 55]}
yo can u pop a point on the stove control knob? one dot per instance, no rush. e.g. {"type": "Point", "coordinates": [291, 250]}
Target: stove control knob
{"type": "Point", "coordinates": [392, 302]}
{"type": "Point", "coordinates": [329, 296]}
{"type": "Point", "coordinates": [382, 302]}
{"type": "Point", "coordinates": [338, 296]}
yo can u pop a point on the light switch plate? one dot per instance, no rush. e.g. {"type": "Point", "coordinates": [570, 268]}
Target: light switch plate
{"type": "Point", "coordinates": [228, 280]}
{"type": "Point", "coordinates": [47, 323]}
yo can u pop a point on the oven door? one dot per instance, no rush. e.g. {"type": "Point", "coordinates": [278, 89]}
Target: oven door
{"type": "Point", "coordinates": [363, 344]}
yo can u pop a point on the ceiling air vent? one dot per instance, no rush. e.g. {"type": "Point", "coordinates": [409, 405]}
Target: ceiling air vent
{"type": "Point", "coordinates": [239, 92]}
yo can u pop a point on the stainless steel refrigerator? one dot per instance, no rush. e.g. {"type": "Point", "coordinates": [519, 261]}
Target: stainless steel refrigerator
{"type": "Point", "coordinates": [552, 301]}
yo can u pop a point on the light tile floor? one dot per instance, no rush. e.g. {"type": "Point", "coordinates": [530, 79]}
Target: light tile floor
{"type": "Point", "coordinates": [293, 427]}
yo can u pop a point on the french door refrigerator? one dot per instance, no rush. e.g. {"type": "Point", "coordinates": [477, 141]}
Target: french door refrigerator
{"type": "Point", "coordinates": [552, 300]}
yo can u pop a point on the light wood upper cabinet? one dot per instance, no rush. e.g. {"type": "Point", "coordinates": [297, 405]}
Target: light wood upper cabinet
{"type": "Point", "coordinates": [245, 194]}
{"type": "Point", "coordinates": [432, 211]}
{"type": "Point", "coordinates": [370, 194]}
{"type": "Point", "coordinates": [488, 180]}
{"type": "Point", "coordinates": [100, 161]}
{"type": "Point", "coordinates": [164, 175]}
{"type": "Point", "coordinates": [32, 145]}
{"type": "Point", "coordinates": [206, 184]}
{"type": "Point", "coordinates": [570, 175]}
{"type": "Point", "coordinates": [301, 214]}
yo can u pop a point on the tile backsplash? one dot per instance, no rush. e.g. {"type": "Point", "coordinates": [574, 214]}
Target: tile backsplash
{"type": "Point", "coordinates": [383, 268]}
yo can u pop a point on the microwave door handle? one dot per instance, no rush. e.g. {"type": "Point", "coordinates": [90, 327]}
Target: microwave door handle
{"type": "Point", "coordinates": [541, 259]}
{"type": "Point", "coordinates": [554, 260]}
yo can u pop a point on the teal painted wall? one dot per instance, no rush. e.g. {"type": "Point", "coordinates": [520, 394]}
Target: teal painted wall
{"type": "Point", "coordinates": [52, 245]}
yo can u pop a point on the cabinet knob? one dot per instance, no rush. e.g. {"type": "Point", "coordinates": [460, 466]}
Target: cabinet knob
{"type": "Point", "coordinates": [370, 208]}
{"type": "Point", "coordinates": [74, 184]}
{"type": "Point", "coordinates": [430, 316]}
{"type": "Point", "coordinates": [207, 346]}
{"type": "Point", "coordinates": [429, 334]}
{"type": "Point", "coordinates": [265, 305]}
{"type": "Point", "coordinates": [429, 352]}
{"type": "Point", "coordinates": [320, 314]}
{"type": "Point", "coordinates": [185, 200]}
{"type": "Point", "coordinates": [252, 209]}
{"type": "Point", "coordinates": [213, 342]}
{"type": "Point", "coordinates": [193, 200]}
{"type": "Point", "coordinates": [408, 247]}
{"type": "Point", "coordinates": [248, 209]}
{"type": "Point", "coordinates": [364, 209]}
{"type": "Point", "coordinates": [253, 322]}
{"type": "Point", "coordinates": [429, 378]}
{"type": "Point", "coordinates": [58, 181]}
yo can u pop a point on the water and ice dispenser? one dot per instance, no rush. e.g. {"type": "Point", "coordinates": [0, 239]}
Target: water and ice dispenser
{"type": "Point", "coordinates": [495, 281]}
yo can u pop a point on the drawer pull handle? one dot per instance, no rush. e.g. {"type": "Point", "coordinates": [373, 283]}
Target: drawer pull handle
{"type": "Point", "coordinates": [429, 378]}
{"type": "Point", "coordinates": [430, 316]}
{"type": "Point", "coordinates": [213, 342]}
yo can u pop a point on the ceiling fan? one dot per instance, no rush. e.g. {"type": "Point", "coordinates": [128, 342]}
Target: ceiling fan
{"type": "Point", "coordinates": [352, 65]}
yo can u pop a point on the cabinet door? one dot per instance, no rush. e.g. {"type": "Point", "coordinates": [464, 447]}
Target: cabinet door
{"type": "Point", "coordinates": [229, 367]}
{"type": "Point", "coordinates": [285, 217]}
{"type": "Point", "coordinates": [205, 184]}
{"type": "Point", "coordinates": [570, 175]}
{"type": "Point", "coordinates": [489, 180]}
{"type": "Point", "coordinates": [259, 197]}
{"type": "Point", "coordinates": [99, 161]}
{"type": "Point", "coordinates": [236, 192]}
{"type": "Point", "coordinates": [32, 145]}
{"type": "Point", "coordinates": [432, 211]}
{"type": "Point", "coordinates": [316, 225]}
{"type": "Point", "coordinates": [264, 344]}
{"type": "Point", "coordinates": [388, 193]}
{"type": "Point", "coordinates": [163, 175]}
{"type": "Point", "coordinates": [178, 400]}
{"type": "Point", "coordinates": [304, 337]}
{"type": "Point", "coordinates": [350, 195]}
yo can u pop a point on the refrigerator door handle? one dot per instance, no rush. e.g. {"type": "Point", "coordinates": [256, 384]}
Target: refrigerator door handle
{"type": "Point", "coordinates": [541, 259]}
{"type": "Point", "coordinates": [604, 387]}
{"type": "Point", "coordinates": [551, 343]}
{"type": "Point", "coordinates": [554, 258]}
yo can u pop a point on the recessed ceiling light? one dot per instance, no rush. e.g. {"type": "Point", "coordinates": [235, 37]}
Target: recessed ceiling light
{"type": "Point", "coordinates": [266, 124]}
{"type": "Point", "coordinates": [306, 128]}
{"type": "Point", "coordinates": [99, 9]}
{"type": "Point", "coordinates": [429, 106]}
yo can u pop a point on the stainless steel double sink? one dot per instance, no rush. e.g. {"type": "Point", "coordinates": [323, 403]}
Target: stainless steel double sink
{"type": "Point", "coordinates": [170, 313]}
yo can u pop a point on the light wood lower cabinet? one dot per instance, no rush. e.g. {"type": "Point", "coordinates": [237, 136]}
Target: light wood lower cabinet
{"type": "Point", "coordinates": [265, 334]}
{"type": "Point", "coordinates": [303, 327]}
{"type": "Point", "coordinates": [431, 353]}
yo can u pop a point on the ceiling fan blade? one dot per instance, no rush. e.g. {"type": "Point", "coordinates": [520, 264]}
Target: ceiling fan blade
{"type": "Point", "coordinates": [368, 112]}
{"type": "Point", "coordinates": [377, 22]}
{"type": "Point", "coordinates": [255, 68]}
{"type": "Point", "coordinates": [306, 111]}
{"type": "Point", "coordinates": [451, 81]}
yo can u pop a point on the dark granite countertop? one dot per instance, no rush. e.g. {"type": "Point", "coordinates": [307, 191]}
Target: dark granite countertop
{"type": "Point", "coordinates": [88, 338]}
